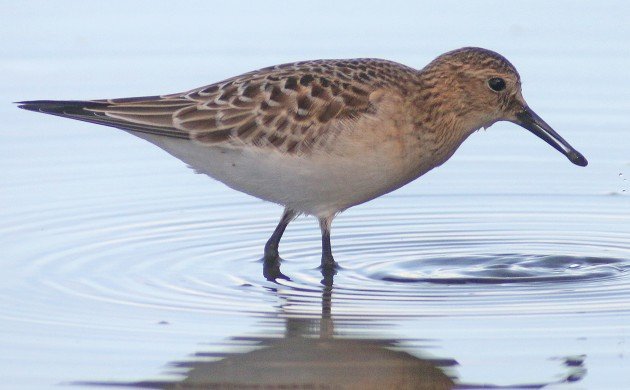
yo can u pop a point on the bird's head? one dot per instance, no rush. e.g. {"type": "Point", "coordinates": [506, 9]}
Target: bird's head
{"type": "Point", "coordinates": [473, 88]}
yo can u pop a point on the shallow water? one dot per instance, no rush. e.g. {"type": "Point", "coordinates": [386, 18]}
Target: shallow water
{"type": "Point", "coordinates": [507, 266]}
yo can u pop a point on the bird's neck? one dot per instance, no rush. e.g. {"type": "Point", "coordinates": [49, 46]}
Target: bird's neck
{"type": "Point", "coordinates": [440, 125]}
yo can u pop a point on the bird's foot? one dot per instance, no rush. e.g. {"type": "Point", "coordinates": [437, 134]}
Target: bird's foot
{"type": "Point", "coordinates": [271, 267]}
{"type": "Point", "coordinates": [329, 267]}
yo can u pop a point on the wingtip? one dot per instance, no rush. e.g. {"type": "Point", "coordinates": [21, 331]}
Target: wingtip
{"type": "Point", "coordinates": [22, 103]}
{"type": "Point", "coordinates": [57, 107]}
{"type": "Point", "coordinates": [35, 105]}
{"type": "Point", "coordinates": [27, 106]}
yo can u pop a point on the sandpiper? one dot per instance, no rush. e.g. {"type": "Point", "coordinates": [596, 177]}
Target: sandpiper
{"type": "Point", "coordinates": [321, 136]}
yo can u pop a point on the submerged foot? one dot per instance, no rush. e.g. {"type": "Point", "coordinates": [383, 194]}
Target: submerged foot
{"type": "Point", "coordinates": [271, 268]}
{"type": "Point", "coordinates": [329, 267]}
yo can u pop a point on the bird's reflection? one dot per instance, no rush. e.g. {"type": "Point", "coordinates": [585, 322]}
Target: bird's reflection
{"type": "Point", "coordinates": [310, 354]}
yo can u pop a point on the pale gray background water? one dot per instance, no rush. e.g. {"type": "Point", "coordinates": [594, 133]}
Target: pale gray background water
{"type": "Point", "coordinates": [117, 262]}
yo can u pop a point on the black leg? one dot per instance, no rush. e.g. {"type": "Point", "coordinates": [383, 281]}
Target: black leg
{"type": "Point", "coordinates": [271, 260]}
{"type": "Point", "coordinates": [271, 247]}
{"type": "Point", "coordinates": [329, 265]}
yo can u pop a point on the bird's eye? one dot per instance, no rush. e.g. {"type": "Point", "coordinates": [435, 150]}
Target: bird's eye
{"type": "Point", "coordinates": [496, 84]}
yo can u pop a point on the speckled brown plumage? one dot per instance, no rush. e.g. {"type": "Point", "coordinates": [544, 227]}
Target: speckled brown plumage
{"type": "Point", "coordinates": [290, 107]}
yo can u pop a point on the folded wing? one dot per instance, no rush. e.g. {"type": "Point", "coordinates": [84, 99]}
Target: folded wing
{"type": "Point", "coordinates": [292, 107]}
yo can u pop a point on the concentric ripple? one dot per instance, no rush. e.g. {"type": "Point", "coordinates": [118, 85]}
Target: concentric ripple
{"type": "Point", "coordinates": [424, 256]}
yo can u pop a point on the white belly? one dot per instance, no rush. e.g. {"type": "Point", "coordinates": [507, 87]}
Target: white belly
{"type": "Point", "coordinates": [319, 185]}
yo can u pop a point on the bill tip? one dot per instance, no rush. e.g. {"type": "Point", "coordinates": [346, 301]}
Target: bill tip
{"type": "Point", "coordinates": [577, 159]}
